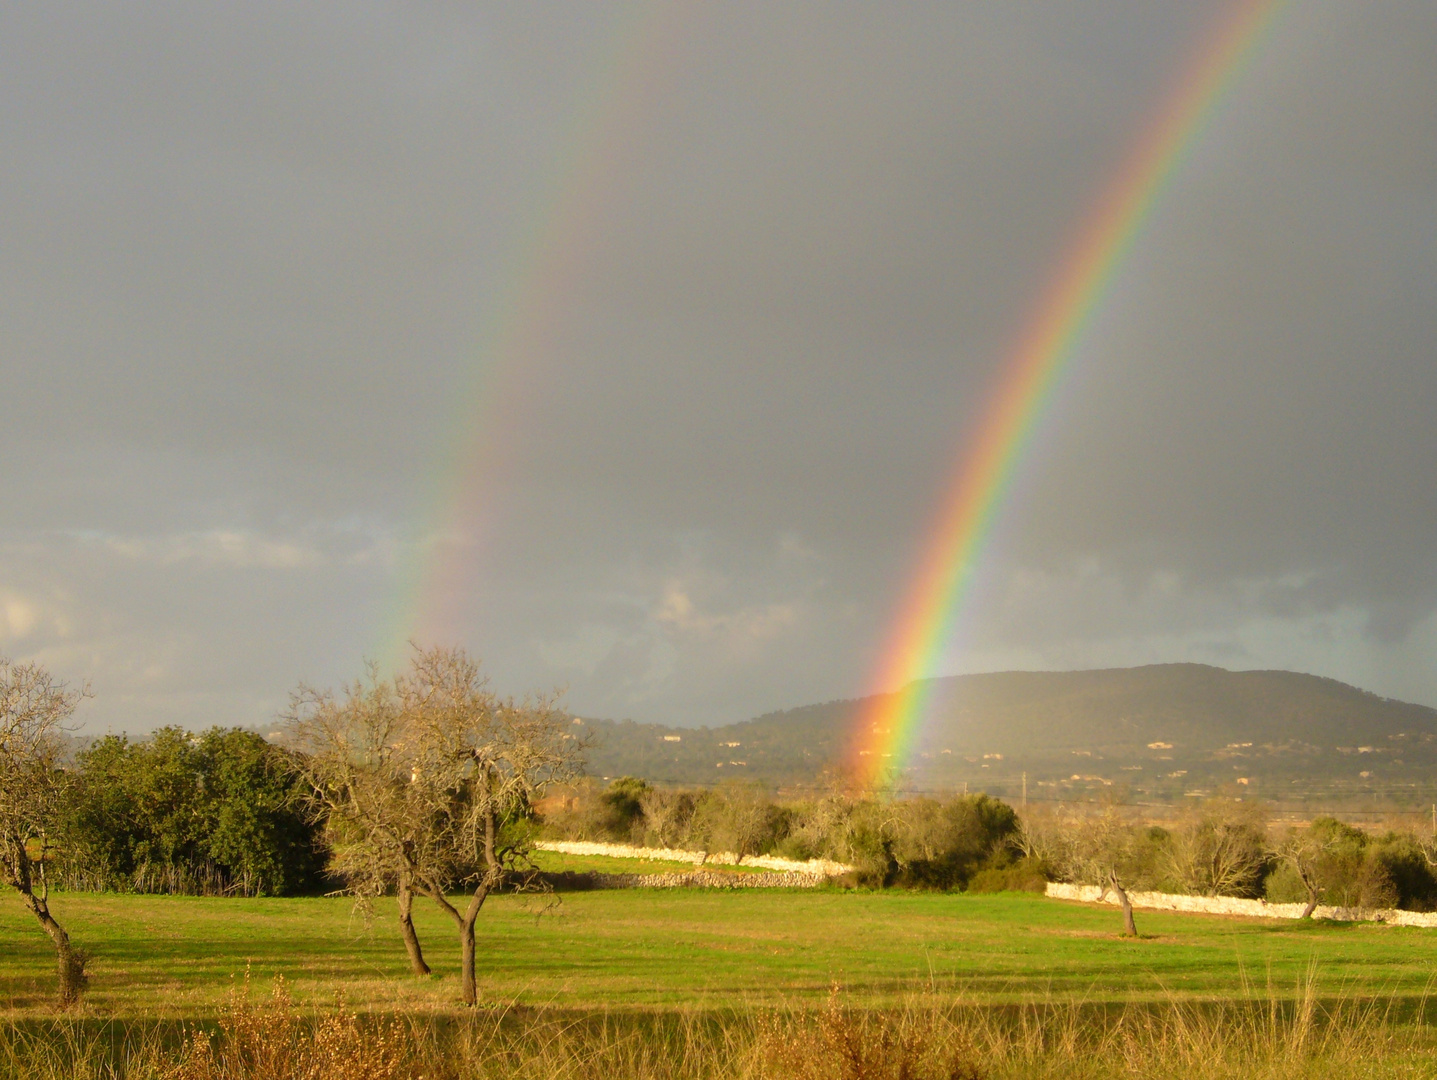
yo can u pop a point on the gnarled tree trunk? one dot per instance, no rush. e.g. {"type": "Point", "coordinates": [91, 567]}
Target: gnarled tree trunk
{"type": "Point", "coordinates": [1309, 882]}
{"type": "Point", "coordinates": [70, 960]}
{"type": "Point", "coordinates": [1130, 928]}
{"type": "Point", "coordinates": [406, 927]}
{"type": "Point", "coordinates": [466, 946]}
{"type": "Point", "coordinates": [465, 920]}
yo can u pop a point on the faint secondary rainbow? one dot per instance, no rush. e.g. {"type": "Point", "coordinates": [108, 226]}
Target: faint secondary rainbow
{"type": "Point", "coordinates": [524, 314]}
{"type": "Point", "coordinates": [886, 731]}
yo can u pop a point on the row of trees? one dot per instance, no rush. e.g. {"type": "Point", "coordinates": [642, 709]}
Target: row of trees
{"type": "Point", "coordinates": [1226, 848]}
{"type": "Point", "coordinates": [1220, 848]}
{"type": "Point", "coordinates": [959, 842]}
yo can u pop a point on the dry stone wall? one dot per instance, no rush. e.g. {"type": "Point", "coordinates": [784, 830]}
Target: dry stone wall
{"type": "Point", "coordinates": [1233, 905]}
{"type": "Point", "coordinates": [821, 868]}
{"type": "Point", "coordinates": [695, 879]}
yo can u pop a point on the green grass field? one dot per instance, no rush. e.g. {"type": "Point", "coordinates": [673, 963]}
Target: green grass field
{"type": "Point", "coordinates": [689, 949]}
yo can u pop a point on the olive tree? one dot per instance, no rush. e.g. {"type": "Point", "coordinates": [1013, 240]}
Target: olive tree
{"type": "Point", "coordinates": [1103, 850]}
{"type": "Point", "coordinates": [33, 709]}
{"type": "Point", "coordinates": [737, 817]}
{"type": "Point", "coordinates": [1304, 850]}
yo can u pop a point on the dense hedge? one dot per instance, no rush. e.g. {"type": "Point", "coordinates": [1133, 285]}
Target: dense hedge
{"type": "Point", "coordinates": [211, 813]}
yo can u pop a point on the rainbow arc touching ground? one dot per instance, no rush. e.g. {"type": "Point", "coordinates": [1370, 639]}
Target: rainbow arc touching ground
{"type": "Point", "coordinates": [885, 732]}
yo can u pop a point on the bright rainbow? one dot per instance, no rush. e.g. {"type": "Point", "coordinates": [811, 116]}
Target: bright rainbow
{"type": "Point", "coordinates": [885, 732]}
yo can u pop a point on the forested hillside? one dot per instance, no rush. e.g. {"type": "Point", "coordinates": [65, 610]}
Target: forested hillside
{"type": "Point", "coordinates": [1162, 731]}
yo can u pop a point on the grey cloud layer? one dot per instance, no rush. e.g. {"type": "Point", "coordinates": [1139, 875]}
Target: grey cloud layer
{"type": "Point", "coordinates": [250, 255]}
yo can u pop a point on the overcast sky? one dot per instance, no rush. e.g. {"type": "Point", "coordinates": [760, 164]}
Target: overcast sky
{"type": "Point", "coordinates": [764, 263]}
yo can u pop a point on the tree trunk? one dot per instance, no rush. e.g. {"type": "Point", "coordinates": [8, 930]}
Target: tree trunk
{"type": "Point", "coordinates": [467, 984]}
{"type": "Point", "coordinates": [466, 924]}
{"type": "Point", "coordinates": [1311, 903]}
{"type": "Point", "coordinates": [406, 929]}
{"type": "Point", "coordinates": [1130, 928]}
{"type": "Point", "coordinates": [466, 944]}
{"type": "Point", "coordinates": [71, 961]}
{"type": "Point", "coordinates": [464, 920]}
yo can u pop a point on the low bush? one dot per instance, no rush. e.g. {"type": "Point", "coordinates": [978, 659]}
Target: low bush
{"type": "Point", "coordinates": [1025, 875]}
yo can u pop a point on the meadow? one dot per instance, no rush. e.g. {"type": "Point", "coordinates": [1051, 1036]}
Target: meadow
{"type": "Point", "coordinates": [684, 982]}
{"type": "Point", "coordinates": [683, 949]}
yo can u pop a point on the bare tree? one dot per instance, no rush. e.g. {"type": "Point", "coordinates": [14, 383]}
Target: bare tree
{"type": "Point", "coordinates": [1044, 836]}
{"type": "Point", "coordinates": [33, 709]}
{"type": "Point", "coordinates": [482, 762]}
{"type": "Point", "coordinates": [666, 815]}
{"type": "Point", "coordinates": [359, 762]}
{"type": "Point", "coordinates": [425, 783]}
{"type": "Point", "coordinates": [1220, 850]}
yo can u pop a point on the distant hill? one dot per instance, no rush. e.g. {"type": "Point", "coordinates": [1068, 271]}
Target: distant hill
{"type": "Point", "coordinates": [1162, 731]}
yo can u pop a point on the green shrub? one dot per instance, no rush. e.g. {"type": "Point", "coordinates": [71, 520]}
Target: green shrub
{"type": "Point", "coordinates": [1025, 875]}
{"type": "Point", "coordinates": [942, 844]}
{"type": "Point", "coordinates": [622, 811]}
{"type": "Point", "coordinates": [217, 812]}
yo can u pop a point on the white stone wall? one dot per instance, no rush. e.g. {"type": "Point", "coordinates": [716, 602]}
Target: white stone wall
{"type": "Point", "coordinates": [821, 868]}
{"type": "Point", "coordinates": [705, 879]}
{"type": "Point", "coordinates": [1232, 905]}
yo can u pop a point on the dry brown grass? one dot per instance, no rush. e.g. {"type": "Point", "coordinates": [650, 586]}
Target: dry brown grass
{"type": "Point", "coordinates": [1262, 1035]}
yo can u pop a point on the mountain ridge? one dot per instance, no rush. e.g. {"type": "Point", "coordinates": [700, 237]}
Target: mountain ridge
{"type": "Point", "coordinates": [1162, 730]}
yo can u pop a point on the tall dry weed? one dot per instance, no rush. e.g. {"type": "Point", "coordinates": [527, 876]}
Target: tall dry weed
{"type": "Point", "coordinates": [273, 1040]}
{"type": "Point", "coordinates": [1262, 1033]}
{"type": "Point", "coordinates": [842, 1043]}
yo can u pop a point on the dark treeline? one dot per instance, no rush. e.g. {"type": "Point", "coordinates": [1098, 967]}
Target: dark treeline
{"type": "Point", "coordinates": [218, 813]}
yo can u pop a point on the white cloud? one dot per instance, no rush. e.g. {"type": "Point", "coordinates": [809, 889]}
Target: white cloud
{"type": "Point", "coordinates": [677, 609]}
{"type": "Point", "coordinates": [24, 619]}
{"type": "Point", "coordinates": [18, 616]}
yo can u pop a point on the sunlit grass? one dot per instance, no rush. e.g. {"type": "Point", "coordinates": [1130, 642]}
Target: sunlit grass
{"type": "Point", "coordinates": [678, 950]}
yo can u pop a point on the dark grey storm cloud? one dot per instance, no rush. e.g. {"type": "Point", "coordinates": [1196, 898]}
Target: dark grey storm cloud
{"type": "Point", "coordinates": [250, 256]}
